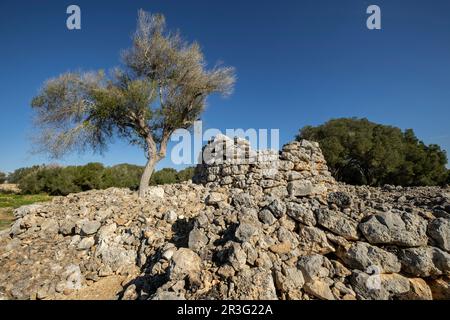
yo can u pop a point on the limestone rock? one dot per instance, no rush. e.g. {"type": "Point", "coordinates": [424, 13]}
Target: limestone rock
{"type": "Point", "coordinates": [425, 261]}
{"type": "Point", "coordinates": [402, 229]}
{"type": "Point", "coordinates": [184, 261]}
{"type": "Point", "coordinates": [362, 256]}
{"type": "Point", "coordinates": [379, 286]}
{"type": "Point", "coordinates": [90, 227]}
{"type": "Point", "coordinates": [319, 289]}
{"type": "Point", "coordinates": [439, 230]}
{"type": "Point", "coordinates": [338, 223]}
{"type": "Point", "coordinates": [419, 290]}
{"type": "Point", "coordinates": [301, 213]}
{"type": "Point", "coordinates": [314, 240]}
{"type": "Point", "coordinates": [440, 288]}
{"type": "Point", "coordinates": [300, 188]}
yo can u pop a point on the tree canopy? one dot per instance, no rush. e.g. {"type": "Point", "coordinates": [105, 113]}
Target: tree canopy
{"type": "Point", "coordinates": [161, 86]}
{"type": "Point", "coordinates": [362, 152]}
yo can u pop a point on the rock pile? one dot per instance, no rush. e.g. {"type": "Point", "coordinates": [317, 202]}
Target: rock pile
{"type": "Point", "coordinates": [242, 231]}
{"type": "Point", "coordinates": [298, 170]}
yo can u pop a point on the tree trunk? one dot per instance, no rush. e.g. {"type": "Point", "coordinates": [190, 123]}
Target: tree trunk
{"type": "Point", "coordinates": [145, 178]}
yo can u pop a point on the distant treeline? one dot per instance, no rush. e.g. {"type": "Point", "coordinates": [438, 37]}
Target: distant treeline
{"type": "Point", "coordinates": [58, 180]}
{"type": "Point", "coordinates": [361, 152]}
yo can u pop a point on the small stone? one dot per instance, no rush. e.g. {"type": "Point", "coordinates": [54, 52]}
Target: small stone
{"type": "Point", "coordinates": [214, 198]}
{"type": "Point", "coordinates": [168, 254]}
{"type": "Point", "coordinates": [314, 240]}
{"type": "Point", "coordinates": [281, 248]}
{"type": "Point", "coordinates": [67, 227]}
{"type": "Point", "coordinates": [440, 288]}
{"type": "Point", "coordinates": [245, 231]}
{"type": "Point", "coordinates": [105, 271]}
{"type": "Point", "coordinates": [378, 286]}
{"type": "Point", "coordinates": [300, 188]}
{"type": "Point", "coordinates": [277, 207]}
{"type": "Point", "coordinates": [130, 293]}
{"type": "Point", "coordinates": [170, 216]}
{"type": "Point", "coordinates": [90, 227]}
{"type": "Point", "coordinates": [155, 192]}
{"type": "Point", "coordinates": [266, 217]}
{"type": "Point", "coordinates": [50, 227]}
{"type": "Point", "coordinates": [183, 262]}
{"type": "Point", "coordinates": [419, 290]}
{"type": "Point", "coordinates": [197, 239]}
{"type": "Point", "coordinates": [312, 267]}
{"type": "Point", "coordinates": [319, 289]}
{"type": "Point", "coordinates": [340, 199]}
{"type": "Point", "coordinates": [301, 213]}
{"type": "Point", "coordinates": [226, 271]}
{"type": "Point", "coordinates": [338, 223]}
{"type": "Point", "coordinates": [86, 243]}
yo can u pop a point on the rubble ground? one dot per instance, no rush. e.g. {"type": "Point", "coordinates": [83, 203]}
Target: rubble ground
{"type": "Point", "coordinates": [241, 231]}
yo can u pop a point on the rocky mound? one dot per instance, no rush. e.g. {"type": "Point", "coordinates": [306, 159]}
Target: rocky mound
{"type": "Point", "coordinates": [270, 226]}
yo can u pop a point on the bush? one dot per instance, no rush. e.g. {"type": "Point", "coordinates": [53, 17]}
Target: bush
{"type": "Point", "coordinates": [164, 176]}
{"type": "Point", "coordinates": [55, 180]}
{"type": "Point", "coordinates": [19, 174]}
{"type": "Point", "coordinates": [362, 152]}
{"type": "Point", "coordinates": [2, 177]}
{"type": "Point", "coordinates": [185, 174]}
{"type": "Point", "coordinates": [122, 176]}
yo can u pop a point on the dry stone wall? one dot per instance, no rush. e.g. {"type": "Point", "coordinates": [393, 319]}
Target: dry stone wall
{"type": "Point", "coordinates": [299, 169]}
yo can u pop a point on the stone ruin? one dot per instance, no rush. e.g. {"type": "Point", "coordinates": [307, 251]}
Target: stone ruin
{"type": "Point", "coordinates": [299, 169]}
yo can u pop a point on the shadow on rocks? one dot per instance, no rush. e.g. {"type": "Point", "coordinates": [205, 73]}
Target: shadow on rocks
{"type": "Point", "coordinates": [181, 229]}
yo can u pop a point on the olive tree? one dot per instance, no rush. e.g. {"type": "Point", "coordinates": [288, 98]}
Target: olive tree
{"type": "Point", "coordinates": [161, 85]}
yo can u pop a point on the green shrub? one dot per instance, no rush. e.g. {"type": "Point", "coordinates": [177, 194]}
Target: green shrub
{"type": "Point", "coordinates": [185, 174]}
{"type": "Point", "coordinates": [122, 176]}
{"type": "Point", "coordinates": [164, 176]}
{"type": "Point", "coordinates": [2, 177]}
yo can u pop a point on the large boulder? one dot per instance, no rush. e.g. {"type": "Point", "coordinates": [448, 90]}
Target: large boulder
{"type": "Point", "coordinates": [425, 261]}
{"type": "Point", "coordinates": [402, 229]}
{"type": "Point", "coordinates": [362, 256]}
{"type": "Point", "coordinates": [338, 223]}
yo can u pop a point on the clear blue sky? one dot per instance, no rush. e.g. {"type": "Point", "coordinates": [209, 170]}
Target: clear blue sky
{"type": "Point", "coordinates": [297, 62]}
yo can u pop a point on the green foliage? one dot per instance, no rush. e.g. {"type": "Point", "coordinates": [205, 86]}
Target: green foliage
{"type": "Point", "coordinates": [185, 174]}
{"type": "Point", "coordinates": [2, 177]}
{"type": "Point", "coordinates": [122, 176]}
{"type": "Point", "coordinates": [164, 176]}
{"type": "Point", "coordinates": [169, 175]}
{"type": "Point", "coordinates": [362, 152]}
{"type": "Point", "coordinates": [16, 200]}
{"type": "Point", "coordinates": [54, 180]}
{"type": "Point", "coordinates": [19, 174]}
